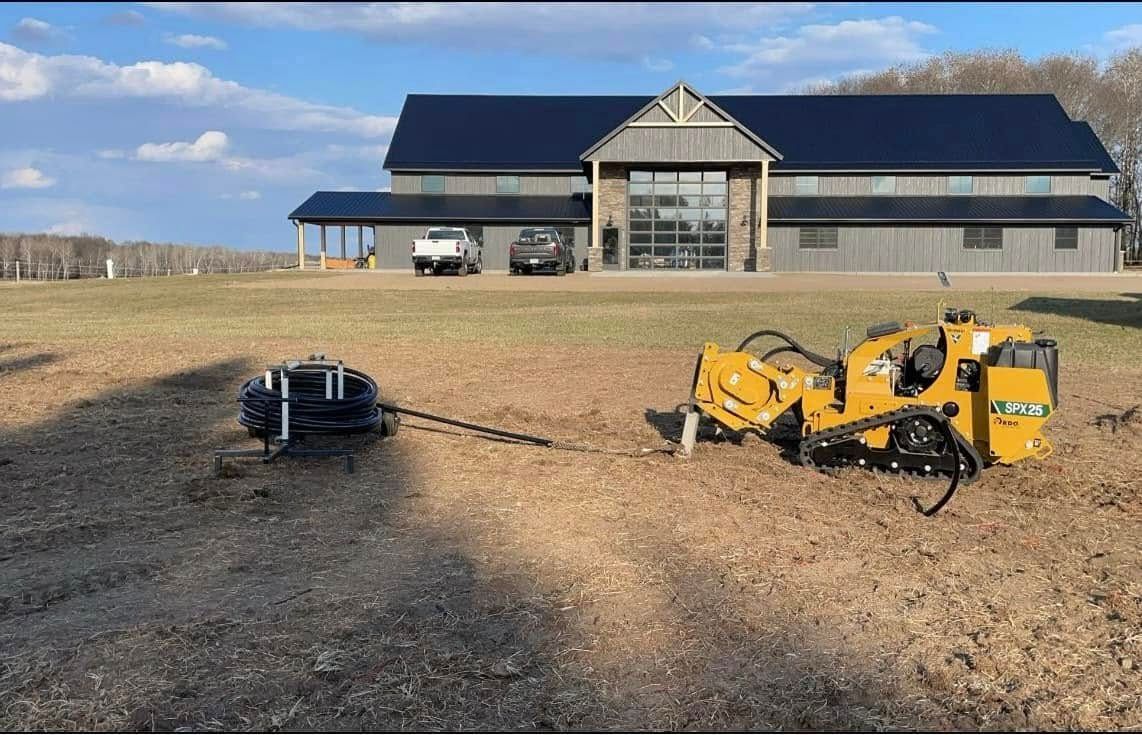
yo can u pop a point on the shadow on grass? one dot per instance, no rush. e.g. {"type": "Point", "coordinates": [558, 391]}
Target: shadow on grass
{"type": "Point", "coordinates": [1124, 313]}
{"type": "Point", "coordinates": [11, 364]}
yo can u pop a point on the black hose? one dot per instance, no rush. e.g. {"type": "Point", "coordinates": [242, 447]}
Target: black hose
{"type": "Point", "coordinates": [310, 412]}
{"type": "Point", "coordinates": [812, 357]}
{"type": "Point", "coordinates": [526, 438]}
{"type": "Point", "coordinates": [950, 438]}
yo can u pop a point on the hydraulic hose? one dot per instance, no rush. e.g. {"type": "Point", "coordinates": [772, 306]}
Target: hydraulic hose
{"type": "Point", "coordinates": [812, 357]}
{"type": "Point", "coordinates": [310, 412]}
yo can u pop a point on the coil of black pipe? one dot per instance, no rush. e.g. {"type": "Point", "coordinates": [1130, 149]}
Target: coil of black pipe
{"type": "Point", "coordinates": [310, 412]}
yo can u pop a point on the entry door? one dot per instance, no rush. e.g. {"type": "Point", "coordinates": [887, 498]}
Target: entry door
{"type": "Point", "coordinates": [611, 257]}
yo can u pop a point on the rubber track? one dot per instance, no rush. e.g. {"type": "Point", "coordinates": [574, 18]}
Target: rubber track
{"type": "Point", "coordinates": [813, 441]}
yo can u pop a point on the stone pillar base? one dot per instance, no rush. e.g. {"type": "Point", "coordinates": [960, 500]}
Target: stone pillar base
{"type": "Point", "coordinates": [594, 259]}
{"type": "Point", "coordinates": [764, 260]}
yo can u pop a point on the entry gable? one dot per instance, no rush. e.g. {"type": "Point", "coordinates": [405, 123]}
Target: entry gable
{"type": "Point", "coordinates": [681, 124]}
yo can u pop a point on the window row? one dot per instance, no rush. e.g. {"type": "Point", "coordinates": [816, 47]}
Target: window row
{"type": "Point", "coordinates": [1036, 184]}
{"type": "Point", "coordinates": [677, 201]}
{"type": "Point", "coordinates": [681, 250]}
{"type": "Point", "coordinates": [434, 184]}
{"type": "Point", "coordinates": [684, 176]}
{"type": "Point", "coordinates": [686, 238]}
{"type": "Point", "coordinates": [974, 238]}
{"type": "Point", "coordinates": [636, 188]}
{"type": "Point", "coordinates": [676, 226]}
{"type": "Point", "coordinates": [671, 213]}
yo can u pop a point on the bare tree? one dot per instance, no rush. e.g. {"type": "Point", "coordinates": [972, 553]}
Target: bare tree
{"type": "Point", "coordinates": [46, 256]}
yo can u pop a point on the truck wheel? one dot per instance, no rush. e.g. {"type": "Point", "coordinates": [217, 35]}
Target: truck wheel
{"type": "Point", "coordinates": [462, 270]}
{"type": "Point", "coordinates": [418, 271]}
{"type": "Point", "coordinates": [479, 265]}
{"type": "Point", "coordinates": [561, 269]}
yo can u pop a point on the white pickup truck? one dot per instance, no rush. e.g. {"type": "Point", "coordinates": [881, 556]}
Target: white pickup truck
{"type": "Point", "coordinates": [446, 248]}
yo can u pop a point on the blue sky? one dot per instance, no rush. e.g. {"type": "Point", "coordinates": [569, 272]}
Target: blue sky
{"type": "Point", "coordinates": [207, 123]}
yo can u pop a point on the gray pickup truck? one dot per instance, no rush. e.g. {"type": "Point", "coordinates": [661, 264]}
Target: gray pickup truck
{"type": "Point", "coordinates": [540, 249]}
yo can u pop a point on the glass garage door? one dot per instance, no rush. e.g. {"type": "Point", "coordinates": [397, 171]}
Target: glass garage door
{"type": "Point", "coordinates": [677, 220]}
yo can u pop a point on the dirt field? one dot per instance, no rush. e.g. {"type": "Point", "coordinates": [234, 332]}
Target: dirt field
{"type": "Point", "coordinates": [456, 582]}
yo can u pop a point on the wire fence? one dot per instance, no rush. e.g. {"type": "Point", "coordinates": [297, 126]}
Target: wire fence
{"type": "Point", "coordinates": [28, 270]}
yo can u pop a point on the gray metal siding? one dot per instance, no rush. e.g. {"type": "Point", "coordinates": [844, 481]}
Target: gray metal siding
{"type": "Point", "coordinates": [393, 244]}
{"type": "Point", "coordinates": [930, 249]}
{"type": "Point", "coordinates": [582, 242]}
{"type": "Point", "coordinates": [529, 184]}
{"type": "Point", "coordinates": [671, 144]}
{"type": "Point", "coordinates": [496, 242]}
{"type": "Point", "coordinates": [937, 184]}
{"type": "Point", "coordinates": [656, 115]}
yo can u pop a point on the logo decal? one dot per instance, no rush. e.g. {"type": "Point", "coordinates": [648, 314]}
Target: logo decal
{"type": "Point", "coordinates": [1021, 408]}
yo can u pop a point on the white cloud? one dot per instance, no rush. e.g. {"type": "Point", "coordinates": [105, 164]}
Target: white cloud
{"type": "Point", "coordinates": [126, 18]}
{"type": "Point", "coordinates": [1127, 36]}
{"type": "Point", "coordinates": [657, 64]}
{"type": "Point", "coordinates": [249, 195]}
{"type": "Point", "coordinates": [34, 30]}
{"type": "Point", "coordinates": [191, 40]}
{"type": "Point", "coordinates": [109, 154]}
{"type": "Point", "coordinates": [820, 51]}
{"type": "Point", "coordinates": [210, 146]}
{"type": "Point", "coordinates": [618, 31]}
{"type": "Point", "coordinates": [28, 76]}
{"type": "Point", "coordinates": [70, 228]}
{"type": "Point", "coordinates": [25, 178]}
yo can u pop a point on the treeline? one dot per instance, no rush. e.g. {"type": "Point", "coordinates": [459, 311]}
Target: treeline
{"type": "Point", "coordinates": [58, 257]}
{"type": "Point", "coordinates": [1106, 95]}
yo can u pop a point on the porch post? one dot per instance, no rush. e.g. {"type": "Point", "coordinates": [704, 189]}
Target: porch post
{"type": "Point", "coordinates": [764, 259]}
{"type": "Point", "coordinates": [595, 248]}
{"type": "Point", "coordinates": [360, 241]}
{"type": "Point", "coordinates": [300, 244]}
{"type": "Point", "coordinates": [322, 247]}
{"type": "Point", "coordinates": [342, 242]}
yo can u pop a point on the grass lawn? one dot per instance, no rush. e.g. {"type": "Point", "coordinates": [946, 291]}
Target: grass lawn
{"type": "Point", "coordinates": [1093, 329]}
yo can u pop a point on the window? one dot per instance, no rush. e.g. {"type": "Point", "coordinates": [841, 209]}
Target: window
{"type": "Point", "coordinates": [960, 185]}
{"type": "Point", "coordinates": [1037, 185]}
{"type": "Point", "coordinates": [432, 184]}
{"type": "Point", "coordinates": [817, 238]}
{"type": "Point", "coordinates": [580, 185]}
{"type": "Point", "coordinates": [805, 184]}
{"type": "Point", "coordinates": [883, 184]}
{"type": "Point", "coordinates": [677, 220]}
{"type": "Point", "coordinates": [507, 185]}
{"type": "Point", "coordinates": [983, 238]}
{"type": "Point", "coordinates": [1066, 238]}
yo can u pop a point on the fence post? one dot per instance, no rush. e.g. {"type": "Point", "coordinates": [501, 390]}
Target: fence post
{"type": "Point", "coordinates": [17, 271]}
{"type": "Point", "coordinates": [110, 268]}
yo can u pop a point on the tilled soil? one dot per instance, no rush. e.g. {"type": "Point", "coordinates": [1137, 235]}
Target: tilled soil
{"type": "Point", "coordinates": [458, 582]}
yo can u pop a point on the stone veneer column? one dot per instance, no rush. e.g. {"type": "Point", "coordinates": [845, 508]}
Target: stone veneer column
{"type": "Point", "coordinates": [611, 205]}
{"type": "Point", "coordinates": [740, 218]}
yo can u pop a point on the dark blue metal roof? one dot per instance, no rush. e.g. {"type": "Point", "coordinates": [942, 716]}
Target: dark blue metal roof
{"type": "Point", "coordinates": [372, 206]}
{"type": "Point", "coordinates": [502, 132]}
{"type": "Point", "coordinates": [857, 132]}
{"type": "Point", "coordinates": [1087, 137]}
{"type": "Point", "coordinates": [933, 209]}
